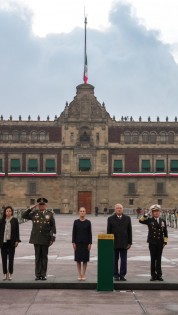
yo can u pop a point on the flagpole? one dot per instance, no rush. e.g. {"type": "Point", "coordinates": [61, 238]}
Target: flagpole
{"type": "Point", "coordinates": [85, 75]}
{"type": "Point", "coordinates": [85, 48]}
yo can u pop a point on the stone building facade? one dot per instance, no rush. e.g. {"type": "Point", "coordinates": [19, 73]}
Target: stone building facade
{"type": "Point", "coordinates": [85, 157]}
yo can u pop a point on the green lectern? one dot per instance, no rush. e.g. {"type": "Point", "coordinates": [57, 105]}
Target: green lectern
{"type": "Point", "coordinates": [105, 262]}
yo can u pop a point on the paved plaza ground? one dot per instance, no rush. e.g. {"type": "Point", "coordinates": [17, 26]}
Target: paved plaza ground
{"type": "Point", "coordinates": [73, 297]}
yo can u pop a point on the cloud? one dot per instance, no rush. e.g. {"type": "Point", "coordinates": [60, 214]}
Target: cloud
{"type": "Point", "coordinates": [133, 72]}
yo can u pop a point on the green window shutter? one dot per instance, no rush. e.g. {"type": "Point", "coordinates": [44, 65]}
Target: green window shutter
{"type": "Point", "coordinates": [0, 165]}
{"type": "Point", "coordinates": [50, 165]}
{"type": "Point", "coordinates": [117, 166]}
{"type": "Point", "coordinates": [15, 165]}
{"type": "Point", "coordinates": [84, 164]}
{"type": "Point", "coordinates": [174, 165]}
{"type": "Point", "coordinates": [32, 165]}
{"type": "Point", "coordinates": [146, 166]}
{"type": "Point", "coordinates": [160, 166]}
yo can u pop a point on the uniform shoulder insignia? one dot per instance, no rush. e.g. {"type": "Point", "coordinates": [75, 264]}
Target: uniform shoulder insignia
{"type": "Point", "coordinates": [143, 219]}
{"type": "Point", "coordinates": [50, 211]}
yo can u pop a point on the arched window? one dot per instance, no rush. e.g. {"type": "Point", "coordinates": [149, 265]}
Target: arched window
{"type": "Point", "coordinates": [84, 134]}
{"type": "Point", "coordinates": [153, 137]}
{"type": "Point", "coordinates": [15, 136]}
{"type": "Point", "coordinates": [23, 136]}
{"type": "Point", "coordinates": [5, 136]}
{"type": "Point", "coordinates": [145, 137]}
{"type": "Point", "coordinates": [34, 136]}
{"type": "Point", "coordinates": [42, 136]}
{"type": "Point", "coordinates": [135, 137]}
{"type": "Point", "coordinates": [127, 137]}
{"type": "Point", "coordinates": [163, 137]}
{"type": "Point", "coordinates": [171, 137]}
{"type": "Point", "coordinates": [84, 137]}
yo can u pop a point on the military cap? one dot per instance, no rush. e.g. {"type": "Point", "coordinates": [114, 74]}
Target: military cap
{"type": "Point", "coordinates": [155, 207]}
{"type": "Point", "coordinates": [42, 200]}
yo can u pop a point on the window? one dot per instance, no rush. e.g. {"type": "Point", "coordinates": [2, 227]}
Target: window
{"type": "Point", "coordinates": [146, 166]}
{"type": "Point", "coordinates": [50, 165]}
{"type": "Point", "coordinates": [145, 137]}
{"type": "Point", "coordinates": [32, 188]}
{"type": "Point", "coordinates": [5, 136]}
{"type": "Point", "coordinates": [131, 202]}
{"type": "Point", "coordinates": [135, 137]}
{"type": "Point", "coordinates": [174, 166]}
{"type": "Point", "coordinates": [0, 165]}
{"type": "Point", "coordinates": [117, 166]}
{"type": "Point", "coordinates": [15, 165]}
{"type": "Point", "coordinates": [163, 137]}
{"type": "Point", "coordinates": [127, 137]}
{"type": "Point", "coordinates": [160, 202]}
{"type": "Point", "coordinates": [84, 165]}
{"type": "Point", "coordinates": [152, 137]}
{"type": "Point", "coordinates": [85, 137]}
{"type": "Point", "coordinates": [160, 188]}
{"type": "Point", "coordinates": [34, 136]}
{"type": "Point", "coordinates": [15, 136]}
{"type": "Point", "coordinates": [171, 137]}
{"type": "Point", "coordinates": [42, 136]}
{"type": "Point", "coordinates": [23, 136]}
{"type": "Point", "coordinates": [160, 166]}
{"type": "Point", "coordinates": [131, 188]}
{"type": "Point", "coordinates": [32, 165]}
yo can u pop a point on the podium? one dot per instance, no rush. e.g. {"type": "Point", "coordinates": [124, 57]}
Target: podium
{"type": "Point", "coordinates": [105, 262]}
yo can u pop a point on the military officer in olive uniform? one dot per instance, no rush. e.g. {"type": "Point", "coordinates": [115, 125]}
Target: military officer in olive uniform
{"type": "Point", "coordinates": [42, 235]}
{"type": "Point", "coordinates": [157, 239]}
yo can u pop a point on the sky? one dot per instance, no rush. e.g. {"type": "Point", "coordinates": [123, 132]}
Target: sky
{"type": "Point", "coordinates": [132, 50]}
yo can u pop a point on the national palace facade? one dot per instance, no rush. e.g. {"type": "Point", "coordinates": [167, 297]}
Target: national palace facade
{"type": "Point", "coordinates": [85, 157]}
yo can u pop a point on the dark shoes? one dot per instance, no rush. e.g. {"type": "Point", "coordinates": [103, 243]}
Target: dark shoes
{"type": "Point", "coordinates": [43, 278]}
{"type": "Point", "coordinates": [156, 278]}
{"type": "Point", "coordinates": [122, 278]}
{"type": "Point", "coordinates": [40, 278]}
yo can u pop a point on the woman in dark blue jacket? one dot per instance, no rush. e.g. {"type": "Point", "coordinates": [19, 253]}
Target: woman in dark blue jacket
{"type": "Point", "coordinates": [82, 240]}
{"type": "Point", "coordinates": [9, 239]}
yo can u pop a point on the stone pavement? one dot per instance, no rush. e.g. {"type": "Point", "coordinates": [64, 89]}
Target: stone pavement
{"type": "Point", "coordinates": [138, 295]}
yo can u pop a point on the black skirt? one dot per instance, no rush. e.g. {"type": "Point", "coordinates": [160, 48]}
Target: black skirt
{"type": "Point", "coordinates": [82, 254]}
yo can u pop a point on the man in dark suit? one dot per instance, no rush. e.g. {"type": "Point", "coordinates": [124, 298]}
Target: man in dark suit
{"type": "Point", "coordinates": [42, 235]}
{"type": "Point", "coordinates": [157, 239]}
{"type": "Point", "coordinates": [120, 225]}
